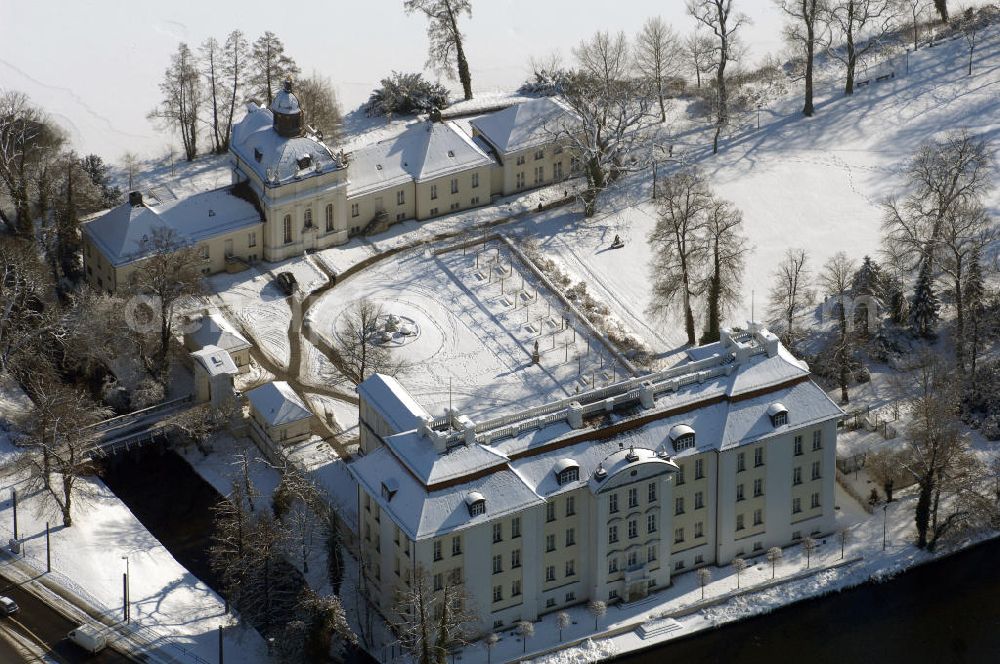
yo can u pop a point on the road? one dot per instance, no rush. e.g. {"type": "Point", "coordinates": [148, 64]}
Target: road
{"type": "Point", "coordinates": [46, 628]}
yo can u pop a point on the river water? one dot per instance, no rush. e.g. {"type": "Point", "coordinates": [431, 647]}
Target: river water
{"type": "Point", "coordinates": [943, 612]}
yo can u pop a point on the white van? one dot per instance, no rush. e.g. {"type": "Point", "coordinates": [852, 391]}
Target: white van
{"type": "Point", "coordinates": [89, 638]}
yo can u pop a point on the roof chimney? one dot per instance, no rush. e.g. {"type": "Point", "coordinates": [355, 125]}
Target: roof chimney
{"type": "Point", "coordinates": [135, 198]}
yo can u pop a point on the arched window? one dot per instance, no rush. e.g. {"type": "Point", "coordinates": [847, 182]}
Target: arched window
{"type": "Point", "coordinates": [329, 217]}
{"type": "Point", "coordinates": [566, 470]}
{"type": "Point", "coordinates": [307, 218]}
{"type": "Point", "coordinates": [288, 229]}
{"type": "Point", "coordinates": [476, 503]}
{"type": "Point", "coordinates": [778, 414]}
{"type": "Point", "coordinates": [682, 437]}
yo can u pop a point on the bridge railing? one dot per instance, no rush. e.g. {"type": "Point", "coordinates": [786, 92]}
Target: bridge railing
{"type": "Point", "coordinates": [120, 420]}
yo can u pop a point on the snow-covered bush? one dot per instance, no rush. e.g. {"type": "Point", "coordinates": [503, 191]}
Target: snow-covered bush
{"type": "Point", "coordinates": [404, 94]}
{"type": "Point", "coordinates": [545, 82]}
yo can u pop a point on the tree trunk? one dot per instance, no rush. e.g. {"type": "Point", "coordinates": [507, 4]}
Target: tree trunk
{"type": "Point", "coordinates": [922, 513]}
{"type": "Point", "coordinates": [463, 65]}
{"type": "Point", "coordinates": [959, 320]}
{"type": "Point", "coordinates": [942, 9]}
{"type": "Point", "coordinates": [711, 333]}
{"type": "Point", "coordinates": [842, 353]}
{"type": "Point", "coordinates": [663, 107]}
{"type": "Point", "coordinates": [852, 63]}
{"type": "Point", "coordinates": [808, 109]}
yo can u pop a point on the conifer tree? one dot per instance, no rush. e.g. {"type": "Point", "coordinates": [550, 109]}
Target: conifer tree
{"type": "Point", "coordinates": [924, 311]}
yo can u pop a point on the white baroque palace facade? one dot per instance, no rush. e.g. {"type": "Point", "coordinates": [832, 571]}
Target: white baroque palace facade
{"type": "Point", "coordinates": [602, 496]}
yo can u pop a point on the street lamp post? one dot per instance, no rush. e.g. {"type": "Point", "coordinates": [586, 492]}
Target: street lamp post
{"type": "Point", "coordinates": [125, 592]}
{"type": "Point", "coordinates": [885, 511]}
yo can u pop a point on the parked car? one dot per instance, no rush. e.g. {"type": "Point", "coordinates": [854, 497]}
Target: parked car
{"type": "Point", "coordinates": [89, 638]}
{"type": "Point", "coordinates": [286, 282]}
{"type": "Point", "coordinates": [8, 606]}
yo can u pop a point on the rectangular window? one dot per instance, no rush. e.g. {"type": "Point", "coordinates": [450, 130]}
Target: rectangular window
{"type": "Point", "coordinates": [633, 497]}
{"type": "Point", "coordinates": [817, 439]}
{"type": "Point", "coordinates": [797, 475]}
{"type": "Point", "coordinates": [651, 492]}
{"type": "Point", "coordinates": [475, 180]}
{"type": "Point", "coordinates": [497, 564]}
{"type": "Point", "coordinates": [612, 565]}
{"type": "Point", "coordinates": [650, 554]}
{"type": "Point", "coordinates": [758, 457]}
{"type": "Point", "coordinates": [539, 174]}
{"type": "Point", "coordinates": [520, 160]}
{"type": "Point", "coordinates": [355, 210]}
{"type": "Point", "coordinates": [557, 170]}
{"type": "Point", "coordinates": [252, 240]}
{"type": "Point", "coordinates": [699, 559]}
{"type": "Point", "coordinates": [570, 536]}
{"type": "Point", "coordinates": [515, 588]}
{"type": "Point", "coordinates": [287, 229]}
{"type": "Point", "coordinates": [454, 185]}
{"type": "Point", "coordinates": [434, 211]}
{"type": "Point", "coordinates": [550, 543]}
{"type": "Point", "coordinates": [400, 198]}
{"type": "Point", "coordinates": [434, 192]}
{"type": "Point", "coordinates": [699, 500]}
{"type": "Point", "coordinates": [497, 593]}
{"type": "Point", "coordinates": [438, 581]}
{"type": "Point", "coordinates": [796, 505]}
{"type": "Point", "coordinates": [204, 249]}
{"type": "Point", "coordinates": [699, 529]}
{"type": "Point", "coordinates": [758, 517]}
{"type": "Point", "coordinates": [758, 488]}
{"type": "Point", "coordinates": [739, 522]}
{"type": "Point", "coordinates": [699, 469]}
{"type": "Point", "coordinates": [739, 492]}
{"type": "Point", "coordinates": [570, 597]}
{"type": "Point", "coordinates": [497, 532]}
{"type": "Point", "coordinates": [633, 559]}
{"type": "Point", "coordinates": [570, 567]}
{"type": "Point", "coordinates": [474, 200]}
{"type": "Point", "coordinates": [570, 505]}
{"type": "Point", "coordinates": [798, 446]}
{"type": "Point", "coordinates": [815, 470]}
{"type": "Point", "coordinates": [515, 558]}
{"type": "Point", "coordinates": [550, 573]}
{"type": "Point", "coordinates": [612, 534]}
{"type": "Point", "coordinates": [515, 527]}
{"type": "Point", "coordinates": [550, 512]}
{"type": "Point", "coordinates": [539, 154]}
{"type": "Point", "coordinates": [678, 535]}
{"type": "Point", "coordinates": [741, 462]}
{"type": "Point", "coordinates": [679, 505]}
{"type": "Point", "coordinates": [437, 550]}
{"type": "Point", "coordinates": [456, 546]}
{"type": "Point", "coordinates": [329, 217]}
{"type": "Point", "coordinates": [613, 503]}
{"type": "Point", "coordinates": [651, 523]}
{"type": "Point", "coordinates": [815, 501]}
{"type": "Point", "coordinates": [520, 180]}
{"type": "Point", "coordinates": [680, 474]}
{"type": "Point", "coordinates": [454, 206]}
{"type": "Point", "coordinates": [633, 529]}
{"type": "Point", "coordinates": [307, 218]}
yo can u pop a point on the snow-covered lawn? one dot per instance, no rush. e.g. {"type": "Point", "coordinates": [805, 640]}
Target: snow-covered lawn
{"type": "Point", "coordinates": [471, 331]}
{"type": "Point", "coordinates": [261, 309]}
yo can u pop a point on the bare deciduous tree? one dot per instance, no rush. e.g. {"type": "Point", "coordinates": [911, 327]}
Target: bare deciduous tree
{"type": "Point", "coordinates": [597, 608]}
{"type": "Point", "coordinates": [859, 27]}
{"type": "Point", "coordinates": [270, 66]}
{"type": "Point", "coordinates": [773, 556]}
{"type": "Point", "coordinates": [836, 280]}
{"type": "Point", "coordinates": [657, 52]}
{"type": "Point", "coordinates": [318, 98]}
{"type": "Point", "coordinates": [526, 630]}
{"type": "Point", "coordinates": [361, 347]}
{"type": "Point", "coordinates": [726, 249]}
{"type": "Point", "coordinates": [698, 49]}
{"type": "Point", "coordinates": [446, 48]}
{"type": "Point", "coordinates": [677, 238]}
{"type": "Point", "coordinates": [183, 95]}
{"type": "Point", "coordinates": [915, 8]}
{"type": "Point", "coordinates": [235, 74]}
{"type": "Point", "coordinates": [791, 292]}
{"type": "Point", "coordinates": [739, 564]}
{"type": "Point", "coordinates": [809, 545]}
{"type": "Point", "coordinates": [211, 69]}
{"type": "Point", "coordinates": [724, 24]}
{"type": "Point", "coordinates": [803, 30]}
{"type": "Point", "coordinates": [562, 622]}
{"type": "Point", "coordinates": [433, 615]}
{"type": "Point", "coordinates": [704, 576]}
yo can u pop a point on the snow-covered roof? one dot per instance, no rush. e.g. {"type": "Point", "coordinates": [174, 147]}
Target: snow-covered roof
{"type": "Point", "coordinates": [213, 330]}
{"type": "Point", "coordinates": [278, 403]}
{"type": "Point", "coordinates": [215, 361]}
{"type": "Point", "coordinates": [122, 232]}
{"type": "Point", "coordinates": [775, 408]}
{"type": "Point", "coordinates": [285, 102]}
{"type": "Point", "coordinates": [423, 151]}
{"type": "Point", "coordinates": [392, 402]}
{"type": "Point", "coordinates": [274, 158]}
{"type": "Point", "coordinates": [525, 125]}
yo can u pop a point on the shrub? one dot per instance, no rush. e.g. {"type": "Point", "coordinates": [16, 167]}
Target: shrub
{"type": "Point", "coordinates": [404, 94]}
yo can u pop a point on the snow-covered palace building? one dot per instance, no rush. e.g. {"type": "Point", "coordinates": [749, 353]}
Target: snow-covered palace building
{"type": "Point", "coordinates": [291, 193]}
{"type": "Point", "coordinates": [601, 496]}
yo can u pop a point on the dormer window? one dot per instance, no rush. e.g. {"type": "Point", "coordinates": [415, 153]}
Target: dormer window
{"type": "Point", "coordinates": [681, 437]}
{"type": "Point", "coordinates": [451, 153]}
{"type": "Point", "coordinates": [257, 154]}
{"type": "Point", "coordinates": [389, 488]}
{"type": "Point", "coordinates": [304, 161]}
{"type": "Point", "coordinates": [476, 503]}
{"type": "Point", "coordinates": [566, 470]}
{"type": "Point", "coordinates": [778, 414]}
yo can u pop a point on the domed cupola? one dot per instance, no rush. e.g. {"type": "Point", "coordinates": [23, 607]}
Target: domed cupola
{"type": "Point", "coordinates": [288, 116]}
